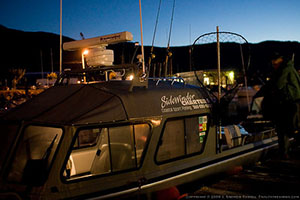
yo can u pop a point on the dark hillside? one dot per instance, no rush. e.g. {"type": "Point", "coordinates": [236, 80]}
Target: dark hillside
{"type": "Point", "coordinates": [27, 49]}
{"type": "Point", "coordinates": [261, 55]}
{"type": "Point", "coordinates": [36, 50]}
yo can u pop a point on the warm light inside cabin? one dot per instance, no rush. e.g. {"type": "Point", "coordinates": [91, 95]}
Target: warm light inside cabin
{"type": "Point", "coordinates": [155, 122]}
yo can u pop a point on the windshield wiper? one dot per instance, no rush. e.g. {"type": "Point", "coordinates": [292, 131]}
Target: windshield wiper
{"type": "Point", "coordinates": [49, 149]}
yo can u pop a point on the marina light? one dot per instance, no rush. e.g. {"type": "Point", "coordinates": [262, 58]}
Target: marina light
{"type": "Point", "coordinates": [231, 76]}
{"type": "Point", "coordinates": [206, 80]}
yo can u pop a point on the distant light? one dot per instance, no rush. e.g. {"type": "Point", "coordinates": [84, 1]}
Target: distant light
{"type": "Point", "coordinates": [231, 76]}
{"type": "Point", "coordinates": [85, 52]}
{"type": "Point", "coordinates": [78, 82]}
{"type": "Point", "coordinates": [206, 80]}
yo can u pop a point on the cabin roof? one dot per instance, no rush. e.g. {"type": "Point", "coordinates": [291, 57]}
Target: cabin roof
{"type": "Point", "coordinates": [108, 102]}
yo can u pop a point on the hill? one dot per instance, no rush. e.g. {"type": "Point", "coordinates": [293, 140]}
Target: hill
{"type": "Point", "coordinates": [35, 51]}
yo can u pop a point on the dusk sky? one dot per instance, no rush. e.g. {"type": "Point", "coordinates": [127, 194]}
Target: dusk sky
{"type": "Point", "coordinates": [256, 20]}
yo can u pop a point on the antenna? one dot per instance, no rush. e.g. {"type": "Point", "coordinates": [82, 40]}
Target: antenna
{"type": "Point", "coordinates": [98, 41]}
{"type": "Point", "coordinates": [143, 56]}
{"type": "Point", "coordinates": [81, 35]}
{"type": "Point", "coordinates": [60, 39]}
{"type": "Point", "coordinates": [97, 54]}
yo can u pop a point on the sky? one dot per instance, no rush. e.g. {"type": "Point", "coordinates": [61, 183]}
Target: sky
{"type": "Point", "coordinates": [255, 20]}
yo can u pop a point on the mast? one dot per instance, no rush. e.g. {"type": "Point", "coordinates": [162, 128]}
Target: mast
{"type": "Point", "coordinates": [190, 49]}
{"type": "Point", "coordinates": [143, 56]}
{"type": "Point", "coordinates": [219, 66]}
{"type": "Point", "coordinates": [60, 40]}
{"type": "Point", "coordinates": [219, 128]}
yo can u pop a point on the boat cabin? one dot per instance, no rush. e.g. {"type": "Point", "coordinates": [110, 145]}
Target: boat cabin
{"type": "Point", "coordinates": [102, 139]}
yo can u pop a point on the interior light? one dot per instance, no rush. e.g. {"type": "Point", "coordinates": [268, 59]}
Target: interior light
{"type": "Point", "coordinates": [155, 122]}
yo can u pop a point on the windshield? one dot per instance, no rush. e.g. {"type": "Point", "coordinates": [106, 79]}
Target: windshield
{"type": "Point", "coordinates": [8, 134]}
{"type": "Point", "coordinates": [38, 143]}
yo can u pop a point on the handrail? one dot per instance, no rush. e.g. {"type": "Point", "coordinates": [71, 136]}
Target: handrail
{"type": "Point", "coordinates": [171, 79]}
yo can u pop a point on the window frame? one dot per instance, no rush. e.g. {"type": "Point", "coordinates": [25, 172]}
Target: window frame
{"type": "Point", "coordinates": [86, 146]}
{"type": "Point", "coordinates": [64, 179]}
{"type": "Point", "coordinates": [20, 137]}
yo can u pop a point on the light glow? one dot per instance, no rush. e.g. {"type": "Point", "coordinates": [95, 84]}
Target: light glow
{"type": "Point", "coordinates": [155, 122]}
{"type": "Point", "coordinates": [231, 76]}
{"type": "Point", "coordinates": [206, 80]}
{"type": "Point", "coordinates": [85, 52]}
{"type": "Point", "coordinates": [130, 77]}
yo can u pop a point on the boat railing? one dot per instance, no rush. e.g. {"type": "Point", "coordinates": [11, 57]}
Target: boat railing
{"type": "Point", "coordinates": [170, 79]}
{"type": "Point", "coordinates": [232, 136]}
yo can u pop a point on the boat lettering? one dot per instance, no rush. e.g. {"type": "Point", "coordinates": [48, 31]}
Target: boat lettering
{"type": "Point", "coordinates": [182, 103]}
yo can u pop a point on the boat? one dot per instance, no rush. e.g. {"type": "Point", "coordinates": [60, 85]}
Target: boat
{"type": "Point", "coordinates": [112, 137]}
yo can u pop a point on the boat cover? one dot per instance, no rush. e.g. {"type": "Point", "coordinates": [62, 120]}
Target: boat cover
{"type": "Point", "coordinates": [107, 102]}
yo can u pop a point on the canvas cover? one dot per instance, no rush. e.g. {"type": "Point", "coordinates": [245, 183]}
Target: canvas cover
{"type": "Point", "coordinates": [82, 104]}
{"type": "Point", "coordinates": [107, 102]}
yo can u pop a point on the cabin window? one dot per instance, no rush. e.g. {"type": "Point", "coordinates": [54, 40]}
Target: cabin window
{"type": "Point", "coordinates": [107, 150]}
{"type": "Point", "coordinates": [182, 137]}
{"type": "Point", "coordinates": [172, 142]}
{"type": "Point", "coordinates": [34, 154]}
{"type": "Point", "coordinates": [87, 138]}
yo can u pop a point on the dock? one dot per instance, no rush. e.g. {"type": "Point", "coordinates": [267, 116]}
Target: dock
{"type": "Point", "coordinates": [272, 178]}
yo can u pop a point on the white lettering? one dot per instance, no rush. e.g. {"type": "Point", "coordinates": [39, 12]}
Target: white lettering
{"type": "Point", "coordinates": [187, 100]}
